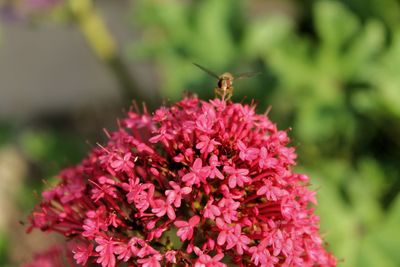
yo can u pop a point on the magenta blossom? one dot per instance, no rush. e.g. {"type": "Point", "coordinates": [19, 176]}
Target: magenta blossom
{"type": "Point", "coordinates": [175, 196]}
{"type": "Point", "coordinates": [198, 174]}
{"type": "Point", "coordinates": [185, 229]}
{"type": "Point", "coordinates": [55, 256]}
{"type": "Point", "coordinates": [199, 184]}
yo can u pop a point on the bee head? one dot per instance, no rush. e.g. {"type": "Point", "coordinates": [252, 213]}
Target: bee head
{"type": "Point", "coordinates": [226, 76]}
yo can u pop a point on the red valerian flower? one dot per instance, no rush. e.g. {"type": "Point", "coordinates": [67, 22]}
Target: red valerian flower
{"type": "Point", "coordinates": [152, 261]}
{"type": "Point", "coordinates": [185, 229]}
{"type": "Point", "coordinates": [211, 211]}
{"type": "Point", "coordinates": [237, 176]}
{"type": "Point", "coordinates": [161, 207]}
{"type": "Point", "coordinates": [106, 250]}
{"type": "Point", "coordinates": [170, 256]}
{"type": "Point", "coordinates": [54, 256]}
{"type": "Point", "coordinates": [123, 163]}
{"type": "Point", "coordinates": [206, 145]}
{"type": "Point", "coordinates": [246, 153]}
{"type": "Point", "coordinates": [205, 260]}
{"type": "Point", "coordinates": [196, 184]}
{"type": "Point", "coordinates": [175, 196]}
{"type": "Point", "coordinates": [198, 173]}
{"type": "Point", "coordinates": [82, 253]}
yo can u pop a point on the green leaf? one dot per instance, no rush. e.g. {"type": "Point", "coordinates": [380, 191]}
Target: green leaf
{"type": "Point", "coordinates": [337, 222]}
{"type": "Point", "coordinates": [364, 48]}
{"type": "Point", "coordinates": [4, 248]}
{"type": "Point", "coordinates": [335, 24]}
{"type": "Point", "coordinates": [213, 31]}
{"type": "Point", "coordinates": [267, 33]}
{"type": "Point", "coordinates": [380, 248]}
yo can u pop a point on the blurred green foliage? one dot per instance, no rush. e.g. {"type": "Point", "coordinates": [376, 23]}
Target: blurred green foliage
{"type": "Point", "coordinates": [5, 133]}
{"type": "Point", "coordinates": [3, 249]}
{"type": "Point", "coordinates": [177, 34]}
{"type": "Point", "coordinates": [47, 151]}
{"type": "Point", "coordinates": [44, 150]}
{"type": "Point", "coordinates": [331, 73]}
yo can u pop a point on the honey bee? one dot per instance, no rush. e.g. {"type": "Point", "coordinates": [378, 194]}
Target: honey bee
{"type": "Point", "coordinates": [225, 81]}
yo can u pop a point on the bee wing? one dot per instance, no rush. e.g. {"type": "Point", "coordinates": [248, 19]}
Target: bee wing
{"type": "Point", "coordinates": [246, 75]}
{"type": "Point", "coordinates": [206, 70]}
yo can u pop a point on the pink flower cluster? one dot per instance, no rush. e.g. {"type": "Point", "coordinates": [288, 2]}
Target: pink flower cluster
{"type": "Point", "coordinates": [55, 256]}
{"type": "Point", "coordinates": [199, 184]}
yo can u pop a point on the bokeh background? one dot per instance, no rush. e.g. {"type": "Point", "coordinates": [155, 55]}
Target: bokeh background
{"type": "Point", "coordinates": [329, 69]}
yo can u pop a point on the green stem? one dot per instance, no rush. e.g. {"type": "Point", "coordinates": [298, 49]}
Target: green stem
{"type": "Point", "coordinates": [103, 44]}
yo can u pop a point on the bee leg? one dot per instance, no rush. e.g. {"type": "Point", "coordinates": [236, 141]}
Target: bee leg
{"type": "Point", "coordinates": [228, 96]}
{"type": "Point", "coordinates": [229, 93]}
{"type": "Point", "coordinates": [224, 96]}
{"type": "Point", "coordinates": [218, 92]}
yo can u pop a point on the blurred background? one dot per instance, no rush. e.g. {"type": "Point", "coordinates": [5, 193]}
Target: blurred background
{"type": "Point", "coordinates": [329, 69]}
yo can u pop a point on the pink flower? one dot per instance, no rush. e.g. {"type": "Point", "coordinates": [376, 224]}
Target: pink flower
{"type": "Point", "coordinates": [175, 196]}
{"type": "Point", "coordinates": [102, 191]}
{"type": "Point", "coordinates": [54, 256]}
{"type": "Point", "coordinates": [248, 154]}
{"type": "Point", "coordinates": [272, 193]}
{"type": "Point", "coordinates": [123, 251]}
{"type": "Point", "coordinates": [204, 123]}
{"type": "Point", "coordinates": [185, 231]}
{"type": "Point", "coordinates": [206, 145]}
{"type": "Point", "coordinates": [123, 163]}
{"type": "Point", "coordinates": [170, 256]}
{"type": "Point", "coordinates": [135, 244]}
{"type": "Point", "coordinates": [232, 236]}
{"type": "Point", "coordinates": [94, 222]}
{"type": "Point", "coordinates": [161, 207]}
{"type": "Point", "coordinates": [105, 248]}
{"type": "Point", "coordinates": [215, 174]}
{"type": "Point", "coordinates": [146, 250]}
{"type": "Point", "coordinates": [287, 153]}
{"type": "Point", "coordinates": [82, 253]}
{"type": "Point", "coordinates": [211, 211]}
{"type": "Point", "coordinates": [205, 260]}
{"type": "Point", "coordinates": [266, 161]}
{"type": "Point", "coordinates": [152, 261]}
{"type": "Point", "coordinates": [163, 136]}
{"type": "Point", "coordinates": [241, 240]}
{"type": "Point", "coordinates": [261, 256]}
{"type": "Point", "coordinates": [198, 173]}
{"type": "Point", "coordinates": [237, 176]}
{"type": "Point", "coordinates": [224, 231]}
{"type": "Point", "coordinates": [161, 114]}
{"type": "Point", "coordinates": [139, 194]}
{"type": "Point", "coordinates": [228, 208]}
